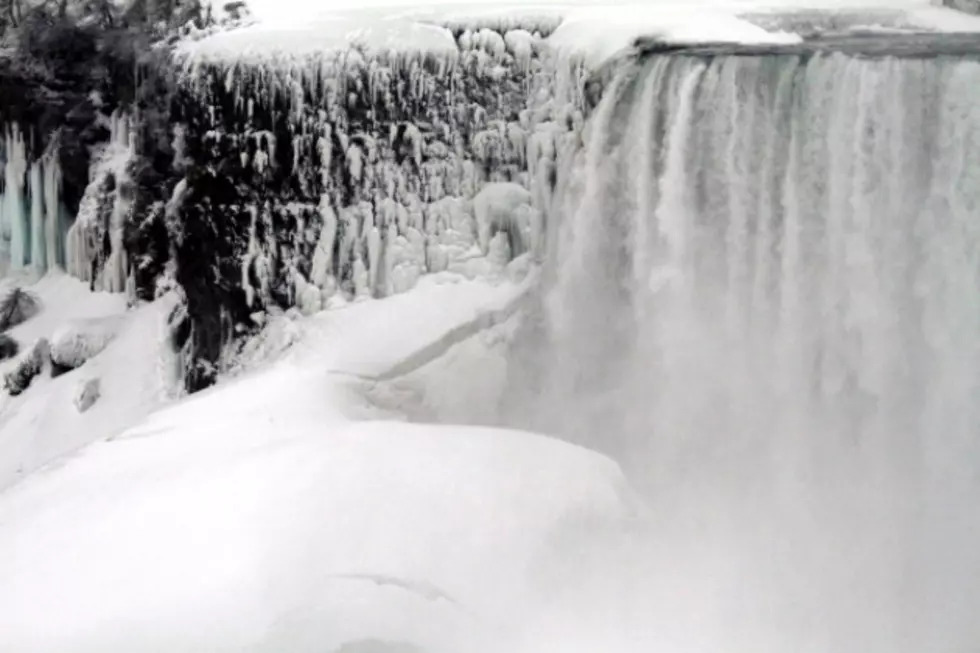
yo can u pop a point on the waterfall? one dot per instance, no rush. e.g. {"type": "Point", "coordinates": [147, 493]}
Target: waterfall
{"type": "Point", "coordinates": [766, 305]}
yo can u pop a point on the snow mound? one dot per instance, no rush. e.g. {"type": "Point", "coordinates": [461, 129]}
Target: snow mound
{"type": "Point", "coordinates": [75, 343]}
{"type": "Point", "coordinates": [278, 527]}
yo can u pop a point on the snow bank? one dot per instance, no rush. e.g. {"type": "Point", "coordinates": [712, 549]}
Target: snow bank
{"type": "Point", "coordinates": [256, 518]}
{"type": "Point", "coordinates": [377, 339]}
{"type": "Point", "coordinates": [133, 370]}
{"type": "Point", "coordinates": [64, 299]}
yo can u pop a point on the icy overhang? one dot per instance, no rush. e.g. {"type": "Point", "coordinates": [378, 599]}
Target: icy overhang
{"type": "Point", "coordinates": [904, 45]}
{"type": "Point", "coordinates": [287, 30]}
{"type": "Point", "coordinates": [591, 31]}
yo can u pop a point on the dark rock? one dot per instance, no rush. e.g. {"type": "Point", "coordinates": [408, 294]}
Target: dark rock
{"type": "Point", "coordinates": [18, 306]}
{"type": "Point", "coordinates": [8, 347]}
{"type": "Point", "coordinates": [29, 365]}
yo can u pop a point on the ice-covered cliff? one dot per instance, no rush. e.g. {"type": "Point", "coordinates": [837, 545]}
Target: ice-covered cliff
{"type": "Point", "coordinates": [277, 166]}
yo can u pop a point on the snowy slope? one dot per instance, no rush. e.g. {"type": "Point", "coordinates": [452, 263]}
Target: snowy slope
{"type": "Point", "coordinates": [43, 423]}
{"type": "Point", "coordinates": [206, 535]}
{"type": "Point", "coordinates": [257, 516]}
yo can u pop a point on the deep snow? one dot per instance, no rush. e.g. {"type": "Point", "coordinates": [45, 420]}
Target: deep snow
{"type": "Point", "coordinates": [266, 514]}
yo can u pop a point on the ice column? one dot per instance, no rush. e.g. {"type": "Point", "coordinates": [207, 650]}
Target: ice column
{"type": "Point", "coordinates": [52, 206]}
{"type": "Point", "coordinates": [38, 250]}
{"type": "Point", "coordinates": [13, 200]}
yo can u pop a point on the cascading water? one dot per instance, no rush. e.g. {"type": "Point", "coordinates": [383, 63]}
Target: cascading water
{"type": "Point", "coordinates": [764, 300]}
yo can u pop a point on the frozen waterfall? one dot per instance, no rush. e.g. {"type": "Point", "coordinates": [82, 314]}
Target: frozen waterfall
{"type": "Point", "coordinates": [765, 300]}
{"type": "Point", "coordinates": [103, 211]}
{"type": "Point", "coordinates": [32, 227]}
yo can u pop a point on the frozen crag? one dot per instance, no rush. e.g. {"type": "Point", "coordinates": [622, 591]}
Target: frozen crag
{"type": "Point", "coordinates": [310, 156]}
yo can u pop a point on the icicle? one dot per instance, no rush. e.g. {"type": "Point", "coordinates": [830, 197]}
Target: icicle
{"type": "Point", "coordinates": [360, 278]}
{"type": "Point", "coordinates": [374, 256]}
{"type": "Point", "coordinates": [14, 208]}
{"type": "Point", "coordinates": [389, 260]}
{"type": "Point", "coordinates": [54, 238]}
{"type": "Point", "coordinates": [38, 242]}
{"type": "Point", "coordinates": [355, 163]}
{"type": "Point", "coordinates": [348, 219]}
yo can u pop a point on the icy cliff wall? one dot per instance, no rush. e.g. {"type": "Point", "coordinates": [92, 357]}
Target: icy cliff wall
{"type": "Point", "coordinates": [301, 180]}
{"type": "Point", "coordinates": [292, 176]}
{"type": "Point", "coordinates": [357, 171]}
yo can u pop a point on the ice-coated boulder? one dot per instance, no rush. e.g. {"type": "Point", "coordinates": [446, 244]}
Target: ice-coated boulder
{"type": "Point", "coordinates": [87, 393]}
{"type": "Point", "coordinates": [498, 207]}
{"type": "Point", "coordinates": [76, 343]}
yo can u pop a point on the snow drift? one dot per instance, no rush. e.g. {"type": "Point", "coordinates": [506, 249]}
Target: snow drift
{"type": "Point", "coordinates": [252, 519]}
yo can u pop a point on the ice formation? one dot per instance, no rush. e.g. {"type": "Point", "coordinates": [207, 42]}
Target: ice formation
{"type": "Point", "coordinates": [94, 243]}
{"type": "Point", "coordinates": [31, 214]}
{"type": "Point", "coordinates": [365, 159]}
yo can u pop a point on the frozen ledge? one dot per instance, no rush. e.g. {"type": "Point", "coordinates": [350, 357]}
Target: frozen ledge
{"type": "Point", "coordinates": [919, 45]}
{"type": "Point", "coordinates": [592, 31]}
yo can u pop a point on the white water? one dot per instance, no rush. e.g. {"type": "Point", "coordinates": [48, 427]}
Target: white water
{"type": "Point", "coordinates": [766, 304]}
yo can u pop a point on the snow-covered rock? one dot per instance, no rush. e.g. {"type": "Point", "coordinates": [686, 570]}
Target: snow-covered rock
{"type": "Point", "coordinates": [28, 365]}
{"type": "Point", "coordinates": [503, 206]}
{"type": "Point", "coordinates": [76, 343]}
{"type": "Point", "coordinates": [87, 393]}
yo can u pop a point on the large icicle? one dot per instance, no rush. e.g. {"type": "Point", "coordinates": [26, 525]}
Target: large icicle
{"type": "Point", "coordinates": [39, 253]}
{"type": "Point", "coordinates": [53, 235]}
{"type": "Point", "coordinates": [14, 209]}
